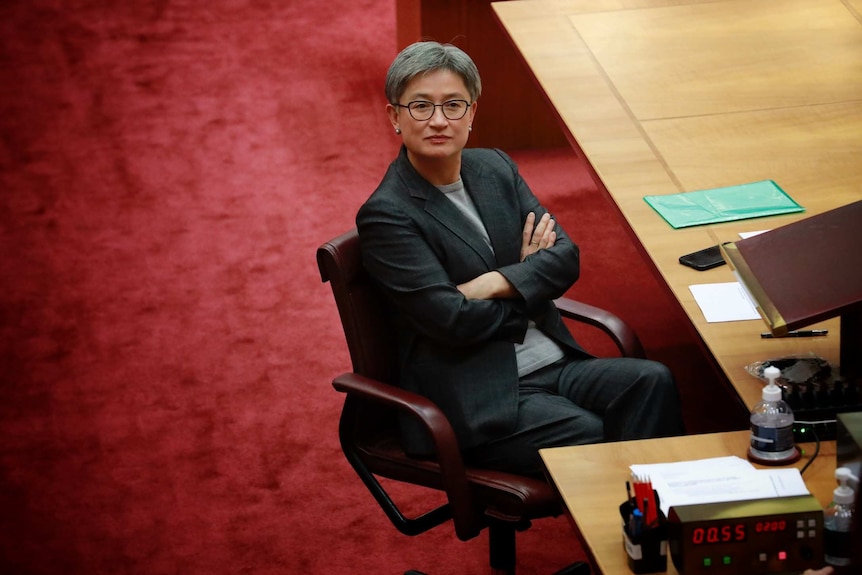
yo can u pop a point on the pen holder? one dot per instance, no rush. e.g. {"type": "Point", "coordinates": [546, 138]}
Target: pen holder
{"type": "Point", "coordinates": [645, 544]}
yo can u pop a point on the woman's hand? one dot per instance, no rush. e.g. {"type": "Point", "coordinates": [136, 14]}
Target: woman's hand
{"type": "Point", "coordinates": [537, 236]}
{"type": "Point", "coordinates": [493, 285]}
{"type": "Point", "coordinates": [489, 285]}
{"type": "Point", "coordinates": [824, 571]}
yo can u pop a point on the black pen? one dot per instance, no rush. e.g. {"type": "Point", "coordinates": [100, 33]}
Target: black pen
{"type": "Point", "coordinates": [798, 333]}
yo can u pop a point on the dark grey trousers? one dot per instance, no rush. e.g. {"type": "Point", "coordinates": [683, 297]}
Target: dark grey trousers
{"type": "Point", "coordinates": [580, 401]}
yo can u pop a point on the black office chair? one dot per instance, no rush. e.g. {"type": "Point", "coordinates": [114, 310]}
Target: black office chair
{"type": "Point", "coordinates": [476, 498]}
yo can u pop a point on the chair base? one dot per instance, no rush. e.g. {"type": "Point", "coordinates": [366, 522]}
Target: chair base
{"type": "Point", "coordinates": [579, 568]}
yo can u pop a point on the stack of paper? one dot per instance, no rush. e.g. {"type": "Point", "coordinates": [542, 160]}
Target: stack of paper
{"type": "Point", "coordinates": [718, 479]}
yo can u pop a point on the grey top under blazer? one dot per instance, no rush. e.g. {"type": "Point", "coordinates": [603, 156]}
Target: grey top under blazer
{"type": "Point", "coordinates": [457, 352]}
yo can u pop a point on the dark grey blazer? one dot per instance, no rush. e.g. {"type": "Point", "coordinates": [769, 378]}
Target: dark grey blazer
{"type": "Point", "coordinates": [418, 246]}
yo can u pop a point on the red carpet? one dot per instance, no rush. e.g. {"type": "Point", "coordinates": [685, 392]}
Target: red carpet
{"type": "Point", "coordinates": [167, 170]}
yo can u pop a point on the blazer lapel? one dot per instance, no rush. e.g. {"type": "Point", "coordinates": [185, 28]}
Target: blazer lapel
{"type": "Point", "coordinates": [444, 211]}
{"type": "Point", "coordinates": [488, 198]}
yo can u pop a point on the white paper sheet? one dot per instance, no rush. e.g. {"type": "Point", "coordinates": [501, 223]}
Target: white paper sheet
{"type": "Point", "coordinates": [724, 302]}
{"type": "Point", "coordinates": [744, 235]}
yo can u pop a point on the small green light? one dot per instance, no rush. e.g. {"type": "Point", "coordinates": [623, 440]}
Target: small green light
{"type": "Point", "coordinates": [726, 560]}
{"type": "Point", "coordinates": [707, 562]}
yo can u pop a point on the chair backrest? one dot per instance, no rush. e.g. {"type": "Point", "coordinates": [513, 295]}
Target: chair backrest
{"type": "Point", "coordinates": [363, 311]}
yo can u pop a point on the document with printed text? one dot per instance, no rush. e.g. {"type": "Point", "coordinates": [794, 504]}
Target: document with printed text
{"type": "Point", "coordinates": [718, 479]}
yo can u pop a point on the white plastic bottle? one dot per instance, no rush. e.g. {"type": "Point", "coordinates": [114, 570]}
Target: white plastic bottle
{"type": "Point", "coordinates": [772, 425]}
{"type": "Point", "coordinates": [838, 522]}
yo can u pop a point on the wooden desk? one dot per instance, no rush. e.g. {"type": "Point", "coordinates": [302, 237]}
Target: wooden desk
{"type": "Point", "coordinates": [665, 96]}
{"type": "Point", "coordinates": [591, 481]}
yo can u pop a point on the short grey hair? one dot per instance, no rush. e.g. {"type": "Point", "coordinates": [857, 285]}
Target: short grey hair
{"type": "Point", "coordinates": [425, 57]}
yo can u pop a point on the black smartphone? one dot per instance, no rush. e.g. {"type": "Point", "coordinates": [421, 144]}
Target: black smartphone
{"type": "Point", "coordinates": [704, 259]}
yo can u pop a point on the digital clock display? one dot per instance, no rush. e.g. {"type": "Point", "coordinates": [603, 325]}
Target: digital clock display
{"type": "Point", "coordinates": [773, 535]}
{"type": "Point", "coordinates": [733, 532]}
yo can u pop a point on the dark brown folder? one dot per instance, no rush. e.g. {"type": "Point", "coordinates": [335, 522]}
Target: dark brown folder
{"type": "Point", "coordinates": [805, 272]}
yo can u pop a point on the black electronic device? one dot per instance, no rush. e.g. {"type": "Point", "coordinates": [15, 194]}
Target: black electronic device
{"type": "Point", "coordinates": [816, 407]}
{"type": "Point", "coordinates": [704, 259]}
{"type": "Point", "coordinates": [782, 535]}
{"type": "Point", "coordinates": [823, 426]}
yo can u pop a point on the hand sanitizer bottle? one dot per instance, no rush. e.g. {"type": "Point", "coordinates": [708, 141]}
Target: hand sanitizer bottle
{"type": "Point", "coordinates": [838, 523]}
{"type": "Point", "coordinates": [772, 426]}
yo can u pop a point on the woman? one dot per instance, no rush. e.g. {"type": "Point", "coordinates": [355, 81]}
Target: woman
{"type": "Point", "coordinates": [471, 262]}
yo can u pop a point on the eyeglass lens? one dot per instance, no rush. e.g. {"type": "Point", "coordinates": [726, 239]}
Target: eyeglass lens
{"type": "Point", "coordinates": [452, 109]}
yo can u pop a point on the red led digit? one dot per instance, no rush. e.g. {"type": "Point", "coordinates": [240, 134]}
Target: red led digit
{"type": "Point", "coordinates": [729, 533]}
{"type": "Point", "coordinates": [712, 535]}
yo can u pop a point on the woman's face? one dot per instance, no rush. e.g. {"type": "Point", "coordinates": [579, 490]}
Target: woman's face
{"type": "Point", "coordinates": [438, 137]}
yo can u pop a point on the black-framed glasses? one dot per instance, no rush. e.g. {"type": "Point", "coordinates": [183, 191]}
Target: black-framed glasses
{"type": "Point", "coordinates": [422, 110]}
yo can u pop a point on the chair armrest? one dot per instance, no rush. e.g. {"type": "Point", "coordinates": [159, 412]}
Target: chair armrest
{"type": "Point", "coordinates": [619, 331]}
{"type": "Point", "coordinates": [448, 453]}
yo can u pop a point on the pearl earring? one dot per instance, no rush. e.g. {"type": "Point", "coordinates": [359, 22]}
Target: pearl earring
{"type": "Point", "coordinates": [397, 130]}
{"type": "Point", "coordinates": [469, 128]}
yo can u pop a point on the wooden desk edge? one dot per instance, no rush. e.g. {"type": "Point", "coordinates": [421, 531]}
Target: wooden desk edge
{"type": "Point", "coordinates": [600, 470]}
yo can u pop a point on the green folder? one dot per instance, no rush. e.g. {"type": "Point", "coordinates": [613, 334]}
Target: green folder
{"type": "Point", "coordinates": [753, 200]}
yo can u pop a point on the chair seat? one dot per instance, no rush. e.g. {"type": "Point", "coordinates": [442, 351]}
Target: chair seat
{"type": "Point", "coordinates": [506, 496]}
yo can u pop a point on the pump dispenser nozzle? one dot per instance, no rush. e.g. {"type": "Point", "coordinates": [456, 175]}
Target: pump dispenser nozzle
{"type": "Point", "coordinates": [843, 493]}
{"type": "Point", "coordinates": [772, 392]}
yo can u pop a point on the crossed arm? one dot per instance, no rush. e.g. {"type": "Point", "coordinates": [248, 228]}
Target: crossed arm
{"type": "Point", "coordinates": [492, 285]}
{"type": "Point", "coordinates": [441, 285]}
